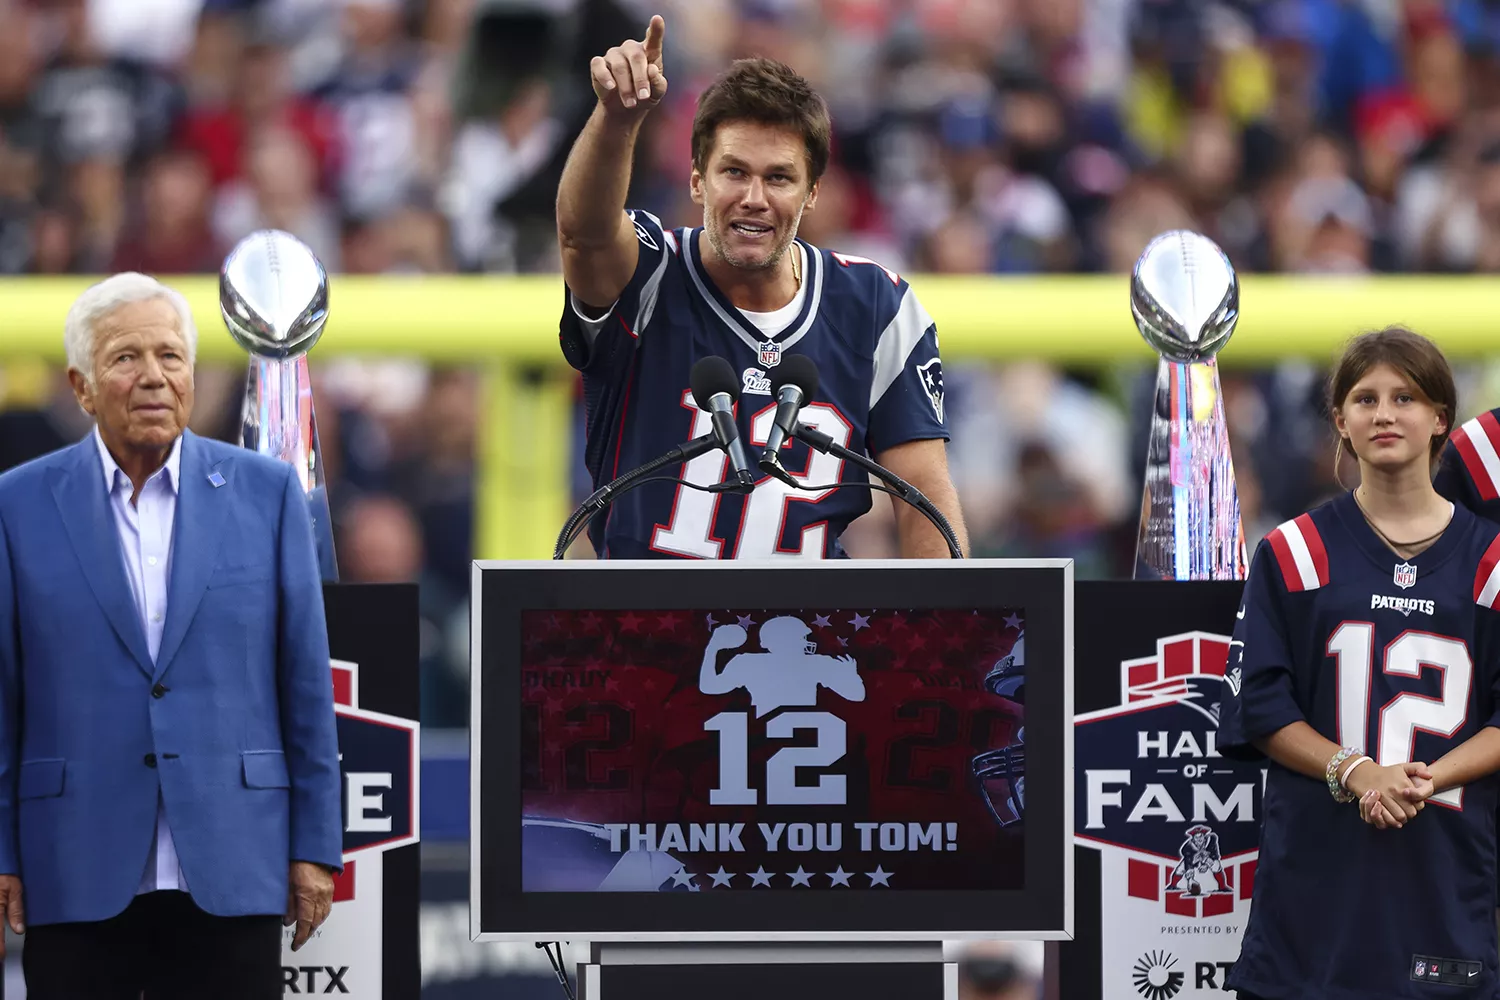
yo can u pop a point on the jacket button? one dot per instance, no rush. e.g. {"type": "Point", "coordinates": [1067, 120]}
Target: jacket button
{"type": "Point", "coordinates": [158, 691]}
{"type": "Point", "coordinates": [151, 760]}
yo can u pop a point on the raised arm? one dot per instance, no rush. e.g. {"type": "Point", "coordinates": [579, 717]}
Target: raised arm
{"type": "Point", "coordinates": [710, 681]}
{"type": "Point", "coordinates": [598, 242]}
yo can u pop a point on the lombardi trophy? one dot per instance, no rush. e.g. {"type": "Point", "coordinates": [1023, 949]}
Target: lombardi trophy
{"type": "Point", "coordinates": [273, 295]}
{"type": "Point", "coordinates": [1184, 297]}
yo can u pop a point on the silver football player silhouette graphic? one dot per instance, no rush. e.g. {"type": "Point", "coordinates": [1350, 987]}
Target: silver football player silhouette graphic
{"type": "Point", "coordinates": [788, 674]}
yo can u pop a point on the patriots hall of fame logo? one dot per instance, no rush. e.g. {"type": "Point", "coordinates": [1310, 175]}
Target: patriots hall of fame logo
{"type": "Point", "coordinates": [380, 771]}
{"type": "Point", "coordinates": [1176, 823]}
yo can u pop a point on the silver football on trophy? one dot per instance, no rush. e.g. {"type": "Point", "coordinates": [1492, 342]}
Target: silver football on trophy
{"type": "Point", "coordinates": [273, 294]}
{"type": "Point", "coordinates": [1185, 296]}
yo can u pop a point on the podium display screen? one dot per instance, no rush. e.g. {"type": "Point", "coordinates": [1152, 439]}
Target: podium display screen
{"type": "Point", "coordinates": [741, 748]}
{"type": "Point", "coordinates": [665, 748]}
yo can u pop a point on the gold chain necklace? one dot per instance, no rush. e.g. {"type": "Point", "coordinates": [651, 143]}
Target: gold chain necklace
{"type": "Point", "coordinates": [1398, 546]}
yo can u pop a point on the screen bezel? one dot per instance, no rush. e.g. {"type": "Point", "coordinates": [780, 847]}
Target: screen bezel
{"type": "Point", "coordinates": [501, 911]}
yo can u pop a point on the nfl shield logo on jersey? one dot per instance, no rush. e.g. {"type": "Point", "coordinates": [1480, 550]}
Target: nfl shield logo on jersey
{"type": "Point", "coordinates": [770, 354]}
{"type": "Point", "coordinates": [1406, 575]}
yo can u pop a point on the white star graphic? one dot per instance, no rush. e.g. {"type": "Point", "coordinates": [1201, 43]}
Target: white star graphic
{"type": "Point", "coordinates": [760, 877]}
{"type": "Point", "coordinates": [840, 877]}
{"type": "Point", "coordinates": [711, 621]}
{"type": "Point", "coordinates": [879, 877]}
{"type": "Point", "coordinates": [800, 877]}
{"type": "Point", "coordinates": [860, 621]}
{"type": "Point", "coordinates": [1013, 620]}
{"type": "Point", "coordinates": [746, 621]}
{"type": "Point", "coordinates": [721, 877]}
{"type": "Point", "coordinates": [683, 877]}
{"type": "Point", "coordinates": [821, 621]}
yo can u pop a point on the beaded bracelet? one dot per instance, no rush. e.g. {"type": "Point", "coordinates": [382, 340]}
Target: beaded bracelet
{"type": "Point", "coordinates": [1331, 773]}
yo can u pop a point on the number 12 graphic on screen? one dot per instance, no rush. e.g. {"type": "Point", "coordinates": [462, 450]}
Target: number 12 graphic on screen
{"type": "Point", "coordinates": [787, 675]}
{"type": "Point", "coordinates": [691, 529]}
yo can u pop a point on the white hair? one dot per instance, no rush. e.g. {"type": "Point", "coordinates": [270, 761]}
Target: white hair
{"type": "Point", "coordinates": [103, 298]}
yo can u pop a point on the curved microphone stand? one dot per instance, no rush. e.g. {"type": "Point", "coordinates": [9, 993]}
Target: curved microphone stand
{"type": "Point", "coordinates": [900, 487]}
{"type": "Point", "coordinates": [600, 499]}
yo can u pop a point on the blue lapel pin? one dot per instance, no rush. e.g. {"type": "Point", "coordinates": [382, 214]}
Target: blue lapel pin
{"type": "Point", "coordinates": [216, 479]}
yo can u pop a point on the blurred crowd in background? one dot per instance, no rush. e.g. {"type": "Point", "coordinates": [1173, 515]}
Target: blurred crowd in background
{"type": "Point", "coordinates": [971, 137]}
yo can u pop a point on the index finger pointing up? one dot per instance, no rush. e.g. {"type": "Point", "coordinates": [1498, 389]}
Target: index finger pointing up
{"type": "Point", "coordinates": [654, 34]}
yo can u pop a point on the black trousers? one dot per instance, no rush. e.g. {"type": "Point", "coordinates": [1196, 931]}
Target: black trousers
{"type": "Point", "coordinates": [162, 947]}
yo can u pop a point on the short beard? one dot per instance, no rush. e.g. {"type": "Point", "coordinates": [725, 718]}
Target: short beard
{"type": "Point", "coordinates": [716, 240]}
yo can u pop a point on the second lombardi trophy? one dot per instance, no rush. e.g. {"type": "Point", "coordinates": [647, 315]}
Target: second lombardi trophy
{"type": "Point", "coordinates": [1184, 296]}
{"type": "Point", "coordinates": [273, 295]}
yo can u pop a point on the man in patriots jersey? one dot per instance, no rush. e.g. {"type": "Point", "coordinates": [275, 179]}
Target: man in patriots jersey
{"type": "Point", "coordinates": [645, 303]}
{"type": "Point", "coordinates": [1366, 647]}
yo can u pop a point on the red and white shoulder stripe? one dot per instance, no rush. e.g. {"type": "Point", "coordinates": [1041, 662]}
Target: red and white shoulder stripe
{"type": "Point", "coordinates": [1300, 553]}
{"type": "Point", "coordinates": [1478, 444]}
{"type": "Point", "coordinates": [1487, 577]}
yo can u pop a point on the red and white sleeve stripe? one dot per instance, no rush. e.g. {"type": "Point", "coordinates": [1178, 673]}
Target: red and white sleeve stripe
{"type": "Point", "coordinates": [1299, 552]}
{"type": "Point", "coordinates": [1487, 578]}
{"type": "Point", "coordinates": [1478, 444]}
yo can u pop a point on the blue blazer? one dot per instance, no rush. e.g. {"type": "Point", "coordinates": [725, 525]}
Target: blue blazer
{"type": "Point", "coordinates": [232, 726]}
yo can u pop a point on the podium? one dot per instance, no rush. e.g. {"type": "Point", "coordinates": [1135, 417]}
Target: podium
{"type": "Point", "coordinates": [709, 768]}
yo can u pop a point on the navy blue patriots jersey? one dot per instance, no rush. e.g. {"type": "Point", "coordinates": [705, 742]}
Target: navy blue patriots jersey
{"type": "Point", "coordinates": [1399, 659]}
{"type": "Point", "coordinates": [880, 384]}
{"type": "Point", "coordinates": [1469, 470]}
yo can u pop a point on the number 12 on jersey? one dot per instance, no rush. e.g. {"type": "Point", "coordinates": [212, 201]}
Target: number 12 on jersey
{"type": "Point", "coordinates": [1353, 647]}
{"type": "Point", "coordinates": [690, 532]}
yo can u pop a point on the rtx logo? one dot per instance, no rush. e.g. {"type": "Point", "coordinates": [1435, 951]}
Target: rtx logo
{"type": "Point", "coordinates": [1156, 976]}
{"type": "Point", "coordinates": [308, 979]}
{"type": "Point", "coordinates": [1211, 975]}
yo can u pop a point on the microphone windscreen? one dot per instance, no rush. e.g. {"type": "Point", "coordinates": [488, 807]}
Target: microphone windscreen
{"type": "Point", "coordinates": [711, 376]}
{"type": "Point", "coordinates": [798, 370]}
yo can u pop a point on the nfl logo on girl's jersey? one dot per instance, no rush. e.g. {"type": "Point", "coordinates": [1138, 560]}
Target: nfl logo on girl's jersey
{"type": "Point", "coordinates": [1406, 575]}
{"type": "Point", "coordinates": [770, 354]}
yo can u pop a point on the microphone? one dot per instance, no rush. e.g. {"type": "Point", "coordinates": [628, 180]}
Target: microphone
{"type": "Point", "coordinates": [794, 383]}
{"type": "Point", "coordinates": [794, 386]}
{"type": "Point", "coordinates": [715, 389]}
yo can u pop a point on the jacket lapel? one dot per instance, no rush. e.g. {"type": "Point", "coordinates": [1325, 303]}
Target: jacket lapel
{"type": "Point", "coordinates": [197, 534]}
{"type": "Point", "coordinates": [83, 502]}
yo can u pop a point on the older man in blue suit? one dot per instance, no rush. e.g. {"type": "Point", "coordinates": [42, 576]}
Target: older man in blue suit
{"type": "Point", "coordinates": [169, 777]}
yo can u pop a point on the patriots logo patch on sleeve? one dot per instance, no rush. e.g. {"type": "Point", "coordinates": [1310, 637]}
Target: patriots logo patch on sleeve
{"type": "Point", "coordinates": [932, 383]}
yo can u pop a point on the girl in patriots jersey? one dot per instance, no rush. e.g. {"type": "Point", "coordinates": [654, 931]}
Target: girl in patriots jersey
{"type": "Point", "coordinates": [645, 303]}
{"type": "Point", "coordinates": [1365, 666]}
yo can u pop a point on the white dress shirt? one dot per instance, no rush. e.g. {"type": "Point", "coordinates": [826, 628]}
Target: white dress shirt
{"type": "Point", "coordinates": [145, 530]}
